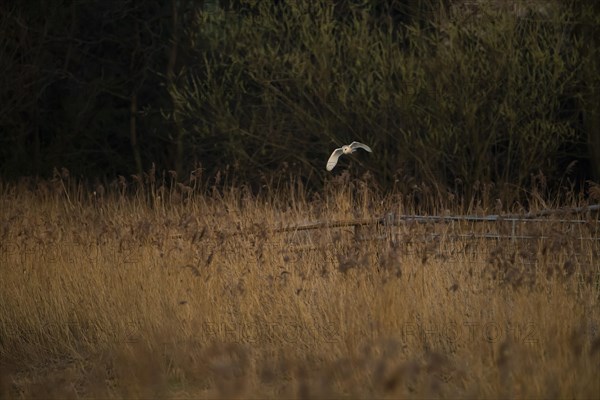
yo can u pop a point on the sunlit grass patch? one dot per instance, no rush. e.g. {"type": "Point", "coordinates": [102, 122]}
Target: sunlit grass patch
{"type": "Point", "coordinates": [131, 296]}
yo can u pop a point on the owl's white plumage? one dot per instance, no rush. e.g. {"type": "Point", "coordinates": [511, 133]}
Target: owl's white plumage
{"type": "Point", "coordinates": [346, 149]}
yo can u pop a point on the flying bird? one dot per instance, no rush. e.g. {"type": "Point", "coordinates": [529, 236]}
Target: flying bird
{"type": "Point", "coordinates": [346, 149]}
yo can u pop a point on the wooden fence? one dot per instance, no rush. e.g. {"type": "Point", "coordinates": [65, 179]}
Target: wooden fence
{"type": "Point", "coordinates": [574, 230]}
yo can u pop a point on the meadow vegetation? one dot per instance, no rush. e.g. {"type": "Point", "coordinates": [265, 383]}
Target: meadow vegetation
{"type": "Point", "coordinates": [157, 288]}
{"type": "Point", "coordinates": [247, 270]}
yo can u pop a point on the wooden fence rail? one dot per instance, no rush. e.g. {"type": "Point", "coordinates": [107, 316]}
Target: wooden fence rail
{"type": "Point", "coordinates": [390, 219]}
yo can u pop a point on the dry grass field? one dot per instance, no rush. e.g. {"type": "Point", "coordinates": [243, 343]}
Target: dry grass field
{"type": "Point", "coordinates": [185, 293]}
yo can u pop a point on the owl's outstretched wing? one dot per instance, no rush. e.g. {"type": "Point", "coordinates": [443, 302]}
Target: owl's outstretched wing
{"type": "Point", "coordinates": [333, 158]}
{"type": "Point", "coordinates": [359, 145]}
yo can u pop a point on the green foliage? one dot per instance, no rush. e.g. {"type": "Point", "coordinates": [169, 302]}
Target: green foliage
{"type": "Point", "coordinates": [474, 96]}
{"type": "Point", "coordinates": [451, 93]}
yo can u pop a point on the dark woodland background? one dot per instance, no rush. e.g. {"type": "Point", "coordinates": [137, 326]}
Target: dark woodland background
{"type": "Point", "coordinates": [454, 93]}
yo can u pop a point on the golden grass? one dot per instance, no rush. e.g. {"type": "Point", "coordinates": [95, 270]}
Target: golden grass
{"type": "Point", "coordinates": [171, 293]}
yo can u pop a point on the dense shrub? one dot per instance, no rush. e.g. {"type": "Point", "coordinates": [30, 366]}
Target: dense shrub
{"type": "Point", "coordinates": [453, 93]}
{"type": "Point", "coordinates": [478, 94]}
